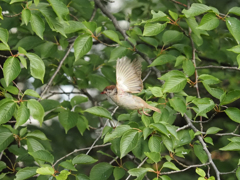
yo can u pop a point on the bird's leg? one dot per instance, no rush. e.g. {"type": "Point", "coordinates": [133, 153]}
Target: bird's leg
{"type": "Point", "coordinates": [145, 113]}
{"type": "Point", "coordinates": [139, 112]}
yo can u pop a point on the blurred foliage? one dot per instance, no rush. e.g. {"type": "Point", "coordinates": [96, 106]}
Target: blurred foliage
{"type": "Point", "coordinates": [58, 55]}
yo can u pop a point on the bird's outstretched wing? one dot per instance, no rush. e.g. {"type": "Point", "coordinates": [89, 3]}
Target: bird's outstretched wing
{"type": "Point", "coordinates": [128, 75]}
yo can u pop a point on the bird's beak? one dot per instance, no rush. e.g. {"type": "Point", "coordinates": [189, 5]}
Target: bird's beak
{"type": "Point", "coordinates": [104, 92]}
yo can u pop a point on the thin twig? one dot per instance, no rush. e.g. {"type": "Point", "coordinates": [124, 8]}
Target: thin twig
{"type": "Point", "coordinates": [184, 5]}
{"type": "Point", "coordinates": [93, 13]}
{"type": "Point", "coordinates": [82, 149]}
{"type": "Point", "coordinates": [149, 72]}
{"type": "Point", "coordinates": [138, 166]}
{"type": "Point", "coordinates": [217, 67]}
{"type": "Point", "coordinates": [188, 120]}
{"type": "Point", "coordinates": [213, 115]}
{"type": "Point", "coordinates": [230, 172]}
{"type": "Point", "coordinates": [192, 166]}
{"type": "Point", "coordinates": [182, 128]}
{"type": "Point", "coordinates": [58, 69]}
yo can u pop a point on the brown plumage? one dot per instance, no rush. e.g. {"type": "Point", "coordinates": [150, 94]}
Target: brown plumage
{"type": "Point", "coordinates": [129, 81]}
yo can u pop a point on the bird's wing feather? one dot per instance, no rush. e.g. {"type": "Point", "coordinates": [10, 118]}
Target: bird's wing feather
{"type": "Point", "coordinates": [129, 75]}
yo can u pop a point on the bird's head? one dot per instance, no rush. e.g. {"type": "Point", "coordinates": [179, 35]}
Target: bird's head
{"type": "Point", "coordinates": [109, 90]}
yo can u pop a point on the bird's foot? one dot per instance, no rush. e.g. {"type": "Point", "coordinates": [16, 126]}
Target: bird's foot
{"type": "Point", "coordinates": [145, 113]}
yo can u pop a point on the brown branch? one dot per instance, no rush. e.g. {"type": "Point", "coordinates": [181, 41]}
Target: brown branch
{"type": "Point", "coordinates": [188, 120]}
{"type": "Point", "coordinates": [78, 150]}
{"type": "Point", "coordinates": [184, 5]}
{"type": "Point", "coordinates": [93, 14]}
{"type": "Point", "coordinates": [57, 70]}
{"type": "Point", "coordinates": [218, 67]}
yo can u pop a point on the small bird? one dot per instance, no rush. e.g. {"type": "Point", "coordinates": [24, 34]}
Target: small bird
{"type": "Point", "coordinates": [129, 81]}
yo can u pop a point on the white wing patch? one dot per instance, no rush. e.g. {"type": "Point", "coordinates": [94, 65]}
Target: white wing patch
{"type": "Point", "coordinates": [129, 75]}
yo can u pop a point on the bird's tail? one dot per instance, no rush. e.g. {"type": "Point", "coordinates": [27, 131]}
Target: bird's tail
{"type": "Point", "coordinates": [154, 108]}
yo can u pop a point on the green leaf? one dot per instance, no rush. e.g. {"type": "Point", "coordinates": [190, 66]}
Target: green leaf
{"type": "Point", "coordinates": [43, 155]}
{"type": "Point", "coordinates": [230, 97]}
{"type": "Point", "coordinates": [99, 111]}
{"type": "Point", "coordinates": [23, 115]}
{"type": "Point", "coordinates": [37, 66]}
{"type": "Point", "coordinates": [6, 138]}
{"type": "Point", "coordinates": [111, 35]}
{"type": "Point", "coordinates": [76, 100]}
{"type": "Point", "coordinates": [153, 29]}
{"type": "Point", "coordinates": [200, 172]}
{"type": "Point", "coordinates": [98, 81]}
{"type": "Point", "coordinates": [154, 144]}
{"type": "Point", "coordinates": [233, 25]}
{"type": "Point", "coordinates": [146, 120]}
{"type": "Point", "coordinates": [235, 49]}
{"type": "Point", "coordinates": [178, 105]}
{"type": "Point", "coordinates": [2, 165]}
{"type": "Point", "coordinates": [73, 26]}
{"type": "Point", "coordinates": [82, 45]}
{"type": "Point", "coordinates": [36, 110]}
{"type": "Point", "coordinates": [209, 22]}
{"type": "Point", "coordinates": [232, 146]}
{"type": "Point", "coordinates": [82, 124]}
{"type": "Point", "coordinates": [83, 159]}
{"type": "Point", "coordinates": [234, 10]}
{"type": "Point", "coordinates": [150, 41]}
{"type": "Point", "coordinates": [6, 111]}
{"type": "Point", "coordinates": [37, 134]}
{"type": "Point", "coordinates": [34, 145]}
{"type": "Point", "coordinates": [237, 174]}
{"type": "Point", "coordinates": [213, 130]}
{"type": "Point", "coordinates": [138, 151]}
{"type": "Point", "coordinates": [209, 79]}
{"type": "Point", "coordinates": [118, 52]}
{"type": "Point", "coordinates": [68, 119]}
{"type": "Point", "coordinates": [174, 84]}
{"type": "Point", "coordinates": [49, 104]}
{"type": "Point", "coordinates": [59, 8]}
{"type": "Point", "coordinates": [200, 153]}
{"type": "Point", "coordinates": [118, 173]}
{"type": "Point", "coordinates": [204, 105]}
{"type": "Point", "coordinates": [23, 61]}
{"type": "Point", "coordinates": [91, 26]}
{"type": "Point", "coordinates": [26, 16]}
{"type": "Point", "coordinates": [4, 36]}
{"type": "Point", "coordinates": [38, 25]}
{"type": "Point", "coordinates": [118, 132]}
{"type": "Point", "coordinates": [162, 59]}
{"type": "Point", "coordinates": [173, 15]}
{"type": "Point", "coordinates": [14, 1]}
{"type": "Point", "coordinates": [68, 165]}
{"type": "Point", "coordinates": [82, 177]}
{"type": "Point", "coordinates": [12, 89]}
{"type": "Point", "coordinates": [156, 91]}
{"type": "Point", "coordinates": [188, 67]}
{"type": "Point", "coordinates": [128, 142]}
{"type": "Point", "coordinates": [3, 47]}
{"type": "Point", "coordinates": [154, 156]}
{"type": "Point", "coordinates": [171, 36]}
{"type": "Point", "coordinates": [63, 175]}
{"type": "Point", "coordinates": [208, 140]}
{"type": "Point", "coordinates": [45, 170]}
{"type": "Point", "coordinates": [233, 113]}
{"type": "Point", "coordinates": [170, 165]}
{"type": "Point", "coordinates": [195, 10]}
{"type": "Point", "coordinates": [11, 69]}
{"type": "Point", "coordinates": [101, 171]}
{"type": "Point", "coordinates": [139, 171]}
{"type": "Point", "coordinates": [26, 173]}
{"type": "Point", "coordinates": [31, 92]}
{"type": "Point", "coordinates": [160, 127]}
{"type": "Point", "coordinates": [159, 16]}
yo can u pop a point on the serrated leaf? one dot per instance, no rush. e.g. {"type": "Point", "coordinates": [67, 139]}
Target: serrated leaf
{"type": "Point", "coordinates": [118, 132]}
{"type": "Point", "coordinates": [63, 175]}
{"type": "Point", "coordinates": [76, 100]}
{"type": "Point", "coordinates": [99, 111]}
{"type": "Point", "coordinates": [38, 25]}
{"type": "Point", "coordinates": [208, 140]}
{"type": "Point", "coordinates": [162, 59]}
{"type": "Point", "coordinates": [188, 67]}
{"type": "Point", "coordinates": [59, 8]}
{"type": "Point", "coordinates": [23, 115]}
{"type": "Point", "coordinates": [153, 29]}
{"type": "Point", "coordinates": [82, 124]}
{"type": "Point", "coordinates": [6, 138]}
{"type": "Point", "coordinates": [178, 105]}
{"type": "Point", "coordinates": [128, 142]}
{"type": "Point", "coordinates": [31, 92]}
{"type": "Point", "coordinates": [209, 22]}
{"type": "Point", "coordinates": [200, 153]}
{"type": "Point", "coordinates": [6, 111]}
{"type": "Point", "coordinates": [139, 171]}
{"type": "Point", "coordinates": [26, 173]}
{"type": "Point", "coordinates": [235, 49]}
{"type": "Point", "coordinates": [171, 36]}
{"type": "Point", "coordinates": [111, 35]}
{"type": "Point", "coordinates": [230, 97]}
{"type": "Point", "coordinates": [195, 10]}
{"type": "Point", "coordinates": [45, 170]}
{"type": "Point", "coordinates": [2, 165]}
{"type": "Point", "coordinates": [68, 165]}
{"type": "Point", "coordinates": [118, 173]}
{"type": "Point", "coordinates": [156, 91]}
{"type": "Point", "coordinates": [213, 130]}
{"type": "Point", "coordinates": [36, 110]}
{"type": "Point", "coordinates": [26, 16]}
{"type": "Point", "coordinates": [23, 61]}
{"type": "Point", "coordinates": [200, 172]}
{"type": "Point", "coordinates": [232, 146]}
{"type": "Point", "coordinates": [49, 104]}
{"type": "Point", "coordinates": [150, 41]}
{"type": "Point", "coordinates": [82, 45]}
{"type": "Point", "coordinates": [37, 66]}
{"type": "Point", "coordinates": [4, 36]}
{"type": "Point", "coordinates": [68, 119]}
{"type": "Point", "coordinates": [101, 171]}
{"type": "Point", "coordinates": [43, 155]}
{"type": "Point", "coordinates": [160, 127]}
{"type": "Point", "coordinates": [174, 84]}
{"type": "Point", "coordinates": [234, 10]}
{"type": "Point", "coordinates": [154, 144]}
{"type": "Point", "coordinates": [204, 105]}
{"type": "Point", "coordinates": [11, 69]}
{"type": "Point", "coordinates": [154, 156]}
{"type": "Point", "coordinates": [233, 25]}
{"type": "Point", "coordinates": [170, 165]}
{"type": "Point", "coordinates": [83, 159]}
{"type": "Point", "coordinates": [37, 134]}
{"type": "Point", "coordinates": [233, 113]}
